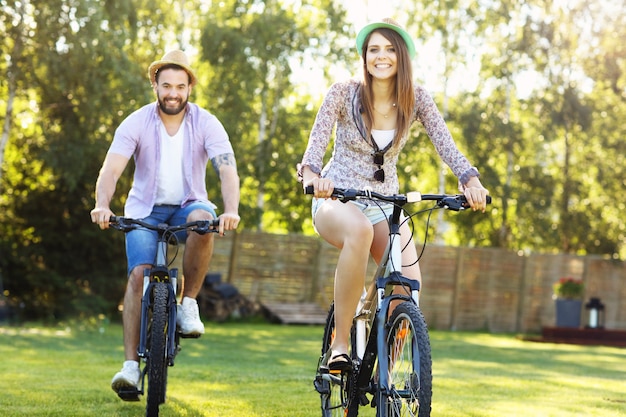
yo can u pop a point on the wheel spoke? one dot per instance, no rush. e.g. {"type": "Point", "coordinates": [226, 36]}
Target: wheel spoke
{"type": "Point", "coordinates": [409, 365]}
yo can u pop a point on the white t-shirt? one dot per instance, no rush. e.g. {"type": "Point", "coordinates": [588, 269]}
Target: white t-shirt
{"type": "Point", "coordinates": [383, 137]}
{"type": "Point", "coordinates": [170, 184]}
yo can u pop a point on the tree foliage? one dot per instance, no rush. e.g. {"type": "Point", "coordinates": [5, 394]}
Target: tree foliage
{"type": "Point", "coordinates": [80, 81]}
{"type": "Point", "coordinates": [251, 48]}
{"type": "Point", "coordinates": [543, 121]}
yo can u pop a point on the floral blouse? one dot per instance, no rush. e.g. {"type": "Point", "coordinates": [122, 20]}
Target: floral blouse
{"type": "Point", "coordinates": [351, 164]}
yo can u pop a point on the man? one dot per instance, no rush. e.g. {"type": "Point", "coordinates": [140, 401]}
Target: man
{"type": "Point", "coordinates": [171, 142]}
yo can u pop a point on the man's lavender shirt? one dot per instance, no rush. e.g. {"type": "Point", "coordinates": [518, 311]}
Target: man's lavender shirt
{"type": "Point", "coordinates": [138, 136]}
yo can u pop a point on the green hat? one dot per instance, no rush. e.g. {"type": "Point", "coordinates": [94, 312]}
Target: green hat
{"type": "Point", "coordinates": [386, 23]}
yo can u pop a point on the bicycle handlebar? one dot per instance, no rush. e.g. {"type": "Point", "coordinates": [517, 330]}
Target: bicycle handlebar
{"type": "Point", "coordinates": [455, 202]}
{"type": "Point", "coordinates": [201, 227]}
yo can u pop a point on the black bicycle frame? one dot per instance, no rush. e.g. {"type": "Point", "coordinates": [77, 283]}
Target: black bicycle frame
{"type": "Point", "coordinates": [378, 345]}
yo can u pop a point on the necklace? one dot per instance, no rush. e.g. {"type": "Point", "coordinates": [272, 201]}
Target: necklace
{"type": "Point", "coordinates": [386, 115]}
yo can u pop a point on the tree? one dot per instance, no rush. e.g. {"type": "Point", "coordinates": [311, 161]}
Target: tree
{"type": "Point", "coordinates": [251, 49]}
{"type": "Point", "coordinates": [89, 63]}
{"type": "Point", "coordinates": [53, 264]}
{"type": "Point", "coordinates": [544, 123]}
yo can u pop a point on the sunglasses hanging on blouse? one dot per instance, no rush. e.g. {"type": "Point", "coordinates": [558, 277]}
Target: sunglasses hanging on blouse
{"type": "Point", "coordinates": [379, 160]}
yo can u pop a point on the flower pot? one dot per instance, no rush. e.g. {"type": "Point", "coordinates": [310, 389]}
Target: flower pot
{"type": "Point", "coordinates": [568, 312]}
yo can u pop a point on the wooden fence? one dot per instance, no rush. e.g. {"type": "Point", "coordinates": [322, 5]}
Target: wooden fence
{"type": "Point", "coordinates": [464, 288]}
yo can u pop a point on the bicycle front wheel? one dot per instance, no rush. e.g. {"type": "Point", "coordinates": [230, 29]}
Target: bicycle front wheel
{"type": "Point", "coordinates": [410, 365]}
{"type": "Point", "coordinates": [157, 364]}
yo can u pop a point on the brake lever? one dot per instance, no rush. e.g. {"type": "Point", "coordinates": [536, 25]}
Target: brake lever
{"type": "Point", "coordinates": [347, 195]}
{"type": "Point", "coordinates": [454, 203]}
{"type": "Point", "coordinates": [119, 223]}
{"type": "Point", "coordinates": [203, 228]}
{"type": "Point", "coordinates": [124, 227]}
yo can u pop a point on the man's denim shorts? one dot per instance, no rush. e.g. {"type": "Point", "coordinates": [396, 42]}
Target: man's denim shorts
{"type": "Point", "coordinates": [141, 243]}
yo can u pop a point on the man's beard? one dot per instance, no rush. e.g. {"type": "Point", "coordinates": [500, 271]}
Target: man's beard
{"type": "Point", "coordinates": [172, 111]}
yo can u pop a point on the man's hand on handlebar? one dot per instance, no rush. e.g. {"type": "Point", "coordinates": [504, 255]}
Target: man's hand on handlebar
{"type": "Point", "coordinates": [228, 221]}
{"type": "Point", "coordinates": [101, 216]}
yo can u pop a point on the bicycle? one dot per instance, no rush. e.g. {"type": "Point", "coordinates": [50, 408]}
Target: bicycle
{"type": "Point", "coordinates": [159, 339]}
{"type": "Point", "coordinates": [391, 353]}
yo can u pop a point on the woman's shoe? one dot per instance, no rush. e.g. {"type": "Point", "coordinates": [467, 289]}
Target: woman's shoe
{"type": "Point", "coordinates": [335, 363]}
{"type": "Point", "coordinates": [341, 362]}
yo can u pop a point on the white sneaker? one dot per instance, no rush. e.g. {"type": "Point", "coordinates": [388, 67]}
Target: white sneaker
{"type": "Point", "coordinates": [127, 378]}
{"type": "Point", "coordinates": [188, 318]}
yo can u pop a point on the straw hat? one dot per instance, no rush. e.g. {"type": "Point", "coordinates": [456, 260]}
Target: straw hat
{"type": "Point", "coordinates": [389, 24]}
{"type": "Point", "coordinates": [175, 57]}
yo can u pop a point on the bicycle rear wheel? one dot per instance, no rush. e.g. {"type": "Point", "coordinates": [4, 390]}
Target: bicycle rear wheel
{"type": "Point", "coordinates": [410, 365]}
{"type": "Point", "coordinates": [157, 363]}
{"type": "Point", "coordinates": [336, 391]}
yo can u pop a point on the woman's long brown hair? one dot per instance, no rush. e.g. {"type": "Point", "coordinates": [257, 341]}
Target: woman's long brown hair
{"type": "Point", "coordinates": [404, 91]}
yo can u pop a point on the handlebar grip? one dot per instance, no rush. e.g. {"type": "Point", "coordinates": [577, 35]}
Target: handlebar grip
{"type": "Point", "coordinates": [488, 198]}
{"type": "Point", "coordinates": [466, 204]}
{"type": "Point", "coordinates": [308, 189]}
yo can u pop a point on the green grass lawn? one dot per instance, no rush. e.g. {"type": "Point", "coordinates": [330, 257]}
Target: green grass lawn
{"type": "Point", "coordinates": [264, 370]}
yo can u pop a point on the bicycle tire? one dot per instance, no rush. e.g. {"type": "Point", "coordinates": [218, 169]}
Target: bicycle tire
{"type": "Point", "coordinates": [409, 350]}
{"type": "Point", "coordinates": [337, 396]}
{"type": "Point", "coordinates": [157, 364]}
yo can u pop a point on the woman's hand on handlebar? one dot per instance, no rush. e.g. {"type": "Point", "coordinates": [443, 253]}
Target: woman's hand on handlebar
{"type": "Point", "coordinates": [101, 217]}
{"type": "Point", "coordinates": [476, 194]}
{"type": "Point", "coordinates": [322, 187]}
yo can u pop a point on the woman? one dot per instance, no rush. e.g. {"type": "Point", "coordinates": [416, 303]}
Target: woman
{"type": "Point", "coordinates": [372, 119]}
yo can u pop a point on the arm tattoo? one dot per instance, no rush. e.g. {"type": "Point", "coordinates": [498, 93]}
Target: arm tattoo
{"type": "Point", "coordinates": [223, 159]}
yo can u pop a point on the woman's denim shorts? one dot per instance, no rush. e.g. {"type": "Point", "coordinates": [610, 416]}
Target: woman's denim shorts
{"type": "Point", "coordinates": [376, 213]}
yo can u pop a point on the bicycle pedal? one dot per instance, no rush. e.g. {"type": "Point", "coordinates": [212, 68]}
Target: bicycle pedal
{"type": "Point", "coordinates": [321, 386]}
{"type": "Point", "coordinates": [129, 394]}
{"type": "Point", "coordinates": [189, 336]}
{"type": "Point", "coordinates": [323, 370]}
{"type": "Point", "coordinates": [344, 371]}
